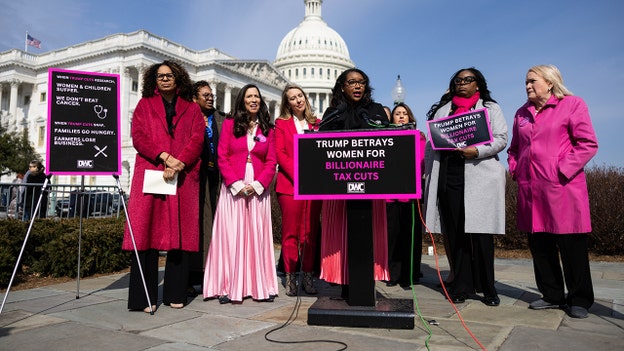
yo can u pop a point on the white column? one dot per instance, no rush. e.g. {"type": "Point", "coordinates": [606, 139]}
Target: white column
{"type": "Point", "coordinates": [276, 110]}
{"type": "Point", "coordinates": [215, 89]}
{"type": "Point", "coordinates": [13, 98]}
{"type": "Point", "coordinates": [317, 102]}
{"type": "Point", "coordinates": [1, 88]}
{"type": "Point", "coordinates": [227, 99]}
{"type": "Point", "coordinates": [140, 69]}
{"type": "Point", "coordinates": [125, 89]}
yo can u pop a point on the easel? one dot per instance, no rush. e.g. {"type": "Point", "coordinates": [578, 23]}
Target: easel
{"type": "Point", "coordinates": [32, 220]}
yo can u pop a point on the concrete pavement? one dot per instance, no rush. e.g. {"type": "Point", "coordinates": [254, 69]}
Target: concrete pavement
{"type": "Point", "coordinates": [52, 318]}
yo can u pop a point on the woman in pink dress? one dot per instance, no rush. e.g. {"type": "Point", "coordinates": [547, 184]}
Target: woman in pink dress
{"type": "Point", "coordinates": [300, 218]}
{"type": "Point", "coordinates": [241, 261]}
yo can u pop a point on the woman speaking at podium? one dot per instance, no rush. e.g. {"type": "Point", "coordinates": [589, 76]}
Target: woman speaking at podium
{"type": "Point", "coordinates": [351, 107]}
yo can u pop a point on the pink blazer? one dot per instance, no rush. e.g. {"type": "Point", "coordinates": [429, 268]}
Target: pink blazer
{"type": "Point", "coordinates": [232, 156]}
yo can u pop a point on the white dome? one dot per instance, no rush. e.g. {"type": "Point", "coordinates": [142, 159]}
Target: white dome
{"type": "Point", "coordinates": [312, 56]}
{"type": "Point", "coordinates": [313, 41]}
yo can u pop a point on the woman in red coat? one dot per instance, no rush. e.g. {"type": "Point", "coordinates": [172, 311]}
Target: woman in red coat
{"type": "Point", "coordinates": [553, 139]}
{"type": "Point", "coordinates": [300, 218]}
{"type": "Point", "coordinates": [168, 134]}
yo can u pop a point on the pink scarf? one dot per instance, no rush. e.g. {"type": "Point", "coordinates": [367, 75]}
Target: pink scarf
{"type": "Point", "coordinates": [465, 104]}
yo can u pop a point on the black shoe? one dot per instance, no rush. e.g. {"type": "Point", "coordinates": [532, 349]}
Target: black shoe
{"type": "Point", "coordinates": [344, 293]}
{"type": "Point", "coordinates": [542, 304]}
{"type": "Point", "coordinates": [224, 299]}
{"type": "Point", "coordinates": [270, 299]}
{"type": "Point", "coordinates": [461, 298]}
{"type": "Point", "coordinates": [491, 300]}
{"type": "Point", "coordinates": [578, 312]}
{"type": "Point", "coordinates": [391, 283]}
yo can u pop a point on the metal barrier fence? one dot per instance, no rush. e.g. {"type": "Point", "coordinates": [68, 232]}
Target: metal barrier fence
{"type": "Point", "coordinates": [59, 200]}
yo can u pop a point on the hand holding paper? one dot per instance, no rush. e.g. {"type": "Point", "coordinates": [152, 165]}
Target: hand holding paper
{"type": "Point", "coordinates": [154, 183]}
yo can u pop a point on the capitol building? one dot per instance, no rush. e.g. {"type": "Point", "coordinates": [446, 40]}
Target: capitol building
{"type": "Point", "coordinates": [311, 55]}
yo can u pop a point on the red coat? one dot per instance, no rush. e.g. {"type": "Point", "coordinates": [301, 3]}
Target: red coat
{"type": "Point", "coordinates": [546, 157]}
{"type": "Point", "coordinates": [166, 222]}
{"type": "Point", "coordinates": [232, 156]}
{"type": "Point", "coordinates": [285, 131]}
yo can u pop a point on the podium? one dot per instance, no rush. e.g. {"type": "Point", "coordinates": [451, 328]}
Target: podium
{"type": "Point", "coordinates": [392, 174]}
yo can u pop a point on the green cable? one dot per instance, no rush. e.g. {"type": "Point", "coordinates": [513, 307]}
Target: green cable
{"type": "Point", "coordinates": [424, 322]}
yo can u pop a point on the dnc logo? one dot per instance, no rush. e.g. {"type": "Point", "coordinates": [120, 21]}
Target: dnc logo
{"type": "Point", "coordinates": [356, 188]}
{"type": "Point", "coordinates": [85, 163]}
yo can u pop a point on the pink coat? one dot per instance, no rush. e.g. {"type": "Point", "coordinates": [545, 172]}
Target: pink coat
{"type": "Point", "coordinates": [166, 222]}
{"type": "Point", "coordinates": [232, 156]}
{"type": "Point", "coordinates": [546, 157]}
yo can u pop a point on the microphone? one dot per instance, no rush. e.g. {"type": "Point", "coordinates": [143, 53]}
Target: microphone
{"type": "Point", "coordinates": [379, 121]}
{"type": "Point", "coordinates": [342, 107]}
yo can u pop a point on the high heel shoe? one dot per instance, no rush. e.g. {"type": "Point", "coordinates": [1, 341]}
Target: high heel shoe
{"type": "Point", "coordinates": [308, 284]}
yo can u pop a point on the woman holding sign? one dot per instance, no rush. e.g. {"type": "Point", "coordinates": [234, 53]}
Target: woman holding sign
{"type": "Point", "coordinates": [168, 134]}
{"type": "Point", "coordinates": [465, 190]}
{"type": "Point", "coordinates": [300, 218]}
{"type": "Point", "coordinates": [352, 107]}
{"type": "Point", "coordinates": [553, 139]}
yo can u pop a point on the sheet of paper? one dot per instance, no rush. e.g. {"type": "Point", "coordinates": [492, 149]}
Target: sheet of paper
{"type": "Point", "coordinates": [154, 183]}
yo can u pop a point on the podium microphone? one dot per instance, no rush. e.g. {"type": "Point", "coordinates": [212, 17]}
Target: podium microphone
{"type": "Point", "coordinates": [342, 107]}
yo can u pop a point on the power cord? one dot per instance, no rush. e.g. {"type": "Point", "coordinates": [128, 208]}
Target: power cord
{"type": "Point", "coordinates": [295, 312]}
{"type": "Point", "coordinates": [435, 255]}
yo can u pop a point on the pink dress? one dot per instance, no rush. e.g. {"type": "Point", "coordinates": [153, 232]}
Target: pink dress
{"type": "Point", "coordinates": [241, 260]}
{"type": "Point", "coordinates": [334, 257]}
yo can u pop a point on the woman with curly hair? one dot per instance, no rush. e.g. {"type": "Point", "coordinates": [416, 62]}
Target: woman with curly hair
{"type": "Point", "coordinates": [241, 261]}
{"type": "Point", "coordinates": [168, 134]}
{"type": "Point", "coordinates": [351, 108]}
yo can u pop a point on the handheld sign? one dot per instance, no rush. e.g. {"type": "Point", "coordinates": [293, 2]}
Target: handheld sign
{"type": "Point", "coordinates": [83, 123]}
{"type": "Point", "coordinates": [357, 165]}
{"type": "Point", "coordinates": [460, 130]}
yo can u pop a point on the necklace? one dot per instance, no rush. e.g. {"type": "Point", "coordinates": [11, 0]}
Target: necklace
{"type": "Point", "coordinates": [252, 127]}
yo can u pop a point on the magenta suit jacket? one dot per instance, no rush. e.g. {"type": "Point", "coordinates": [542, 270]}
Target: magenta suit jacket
{"type": "Point", "coordinates": [232, 156]}
{"type": "Point", "coordinates": [285, 130]}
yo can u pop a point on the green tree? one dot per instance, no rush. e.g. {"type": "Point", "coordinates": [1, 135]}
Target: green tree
{"type": "Point", "coordinates": [16, 152]}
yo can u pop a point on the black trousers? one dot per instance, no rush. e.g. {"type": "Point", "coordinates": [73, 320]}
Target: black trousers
{"type": "Point", "coordinates": [175, 280]}
{"type": "Point", "coordinates": [546, 248]}
{"type": "Point", "coordinates": [400, 223]}
{"type": "Point", "coordinates": [472, 254]}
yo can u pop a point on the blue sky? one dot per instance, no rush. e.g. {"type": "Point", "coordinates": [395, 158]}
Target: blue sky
{"type": "Point", "coordinates": [425, 41]}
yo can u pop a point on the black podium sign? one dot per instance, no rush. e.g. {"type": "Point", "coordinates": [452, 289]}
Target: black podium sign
{"type": "Point", "coordinates": [83, 123]}
{"type": "Point", "coordinates": [460, 130]}
{"type": "Point", "coordinates": [357, 165]}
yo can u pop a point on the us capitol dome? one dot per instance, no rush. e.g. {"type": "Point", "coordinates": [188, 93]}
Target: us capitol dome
{"type": "Point", "coordinates": [312, 55]}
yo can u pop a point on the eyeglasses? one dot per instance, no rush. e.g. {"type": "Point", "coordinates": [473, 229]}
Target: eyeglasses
{"type": "Point", "coordinates": [162, 76]}
{"type": "Point", "coordinates": [353, 82]}
{"type": "Point", "coordinates": [465, 80]}
{"type": "Point", "coordinates": [208, 96]}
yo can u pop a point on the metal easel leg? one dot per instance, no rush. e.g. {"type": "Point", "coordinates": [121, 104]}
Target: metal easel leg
{"type": "Point", "coordinates": [19, 257]}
